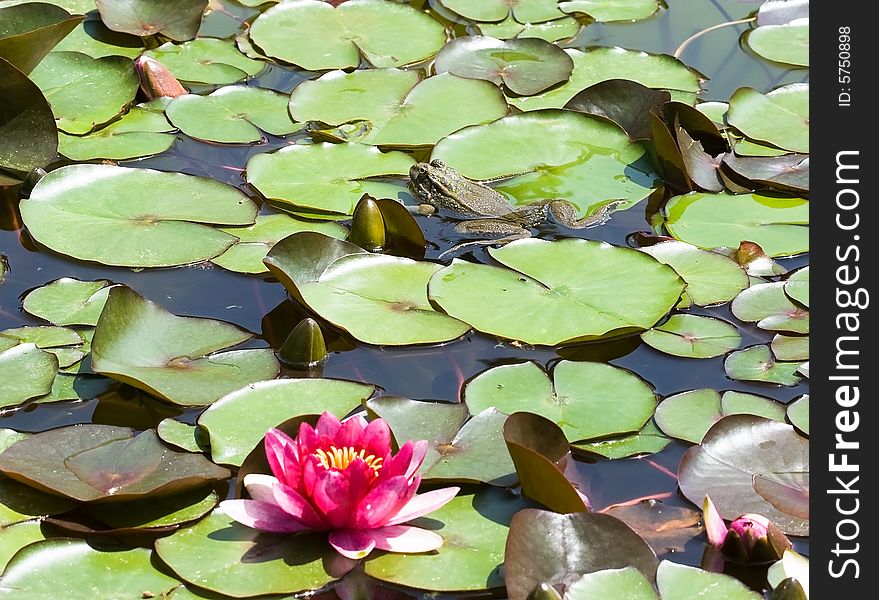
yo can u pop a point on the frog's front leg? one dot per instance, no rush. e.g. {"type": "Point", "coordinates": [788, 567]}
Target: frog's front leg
{"type": "Point", "coordinates": [566, 213]}
{"type": "Point", "coordinates": [509, 232]}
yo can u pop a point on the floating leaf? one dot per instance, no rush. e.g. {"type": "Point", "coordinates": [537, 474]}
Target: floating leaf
{"type": "Point", "coordinates": [474, 528]}
{"type": "Point", "coordinates": [797, 286]}
{"type": "Point", "coordinates": [789, 172]}
{"type": "Point", "coordinates": [68, 387]}
{"type": "Point", "coordinates": [558, 549]}
{"type": "Point", "coordinates": [141, 132]}
{"type": "Point", "coordinates": [787, 43]}
{"type": "Point", "coordinates": [85, 92]}
{"type": "Point", "coordinates": [573, 304]}
{"type": "Point", "coordinates": [378, 299]}
{"type": "Point", "coordinates": [206, 60]}
{"type": "Point", "coordinates": [15, 537]}
{"type": "Point", "coordinates": [152, 513]}
{"type": "Point", "coordinates": [234, 114]}
{"type": "Point", "coordinates": [689, 415]}
{"type": "Point", "coordinates": [175, 19]}
{"type": "Point", "coordinates": [798, 413]}
{"type": "Point", "coordinates": [527, 11]}
{"type": "Point", "coordinates": [183, 435]}
{"type": "Point", "coordinates": [551, 31]}
{"type": "Point", "coordinates": [693, 336]}
{"type": "Point", "coordinates": [29, 31]}
{"type": "Point", "coordinates": [25, 358]}
{"type": "Point", "coordinates": [682, 582]}
{"type": "Point", "coordinates": [30, 139]}
{"type": "Point", "coordinates": [396, 107]}
{"type": "Point", "coordinates": [626, 103]}
{"type": "Point", "coordinates": [524, 66]}
{"type": "Point", "coordinates": [235, 427]}
{"type": "Point", "coordinates": [603, 11]}
{"type": "Point", "coordinates": [626, 583]}
{"type": "Point", "coordinates": [741, 453]}
{"type": "Point", "coordinates": [659, 71]}
{"type": "Point", "coordinates": [174, 358]}
{"type": "Point", "coordinates": [757, 364]}
{"type": "Point", "coordinates": [254, 242]}
{"type": "Point", "coordinates": [780, 117]}
{"type": "Point", "coordinates": [102, 462]}
{"type": "Point", "coordinates": [649, 440]}
{"type": "Point", "coordinates": [161, 222]}
{"type": "Point", "coordinates": [711, 278]}
{"type": "Point", "coordinates": [587, 400]}
{"type": "Point", "coordinates": [716, 111]}
{"type": "Point", "coordinates": [315, 35]}
{"type": "Point", "coordinates": [785, 347]}
{"type": "Point", "coordinates": [68, 301]}
{"type": "Point", "coordinates": [326, 178]}
{"type": "Point", "coordinates": [20, 503]}
{"type": "Point", "coordinates": [768, 305]}
{"type": "Point", "coordinates": [779, 225]}
{"type": "Point", "coordinates": [95, 39]}
{"type": "Point", "coordinates": [792, 564]}
{"type": "Point", "coordinates": [43, 336]}
{"type": "Point", "coordinates": [585, 160]}
{"type": "Point", "coordinates": [778, 12]}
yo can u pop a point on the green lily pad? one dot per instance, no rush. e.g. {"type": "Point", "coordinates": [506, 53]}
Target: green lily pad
{"type": "Point", "coordinates": [792, 565]}
{"type": "Point", "coordinates": [768, 305]}
{"type": "Point", "coordinates": [776, 12]}
{"type": "Point", "coordinates": [183, 435]}
{"type": "Point", "coordinates": [378, 299]}
{"type": "Point", "coordinates": [141, 132]}
{"type": "Point", "coordinates": [174, 358]}
{"type": "Point", "coordinates": [44, 336]}
{"type": "Point", "coordinates": [547, 547]}
{"type": "Point", "coordinates": [552, 154]}
{"type": "Point", "coordinates": [95, 39]}
{"type": "Point", "coordinates": [85, 92]}
{"type": "Point", "coordinates": [40, 366]}
{"type": "Point", "coordinates": [29, 31]}
{"type": "Point", "coordinates": [20, 503]}
{"type": "Point", "coordinates": [587, 400]}
{"type": "Point", "coordinates": [573, 303]}
{"type": "Point", "coordinates": [749, 464]}
{"type": "Point", "coordinates": [316, 36]}
{"type": "Point", "coordinates": [152, 513]}
{"type": "Point", "coordinates": [397, 107]}
{"type": "Point", "coordinates": [693, 336]}
{"type": "Point", "coordinates": [30, 139]}
{"type": "Point", "coordinates": [206, 60]}
{"type": "Point", "coordinates": [75, 210]}
{"type": "Point", "coordinates": [711, 278]}
{"type": "Point", "coordinates": [326, 178]}
{"type": "Point", "coordinates": [689, 415]}
{"type": "Point", "coordinates": [603, 11]}
{"type": "Point", "coordinates": [76, 570]}
{"type": "Point", "coordinates": [797, 286]}
{"type": "Point", "coordinates": [175, 19]}
{"type": "Point", "coordinates": [238, 422]}
{"type": "Point", "coordinates": [778, 225]}
{"type": "Point", "coordinates": [15, 537]}
{"type": "Point", "coordinates": [716, 111]}
{"type": "Point", "coordinates": [627, 583]}
{"type": "Point", "coordinates": [659, 71]}
{"type": "Point", "coordinates": [474, 528]}
{"type": "Point", "coordinates": [243, 561]}
{"type": "Point", "coordinates": [787, 43]}
{"type": "Point", "coordinates": [789, 347]}
{"type": "Point", "coordinates": [524, 11]}
{"type": "Point", "coordinates": [682, 582]}
{"type": "Point", "coordinates": [524, 66]}
{"type": "Point", "coordinates": [103, 462]}
{"type": "Point", "coordinates": [780, 118]}
{"type": "Point", "coordinates": [745, 147]}
{"type": "Point", "coordinates": [798, 413]}
{"type": "Point", "coordinates": [254, 242]}
{"type": "Point", "coordinates": [550, 31]}
{"type": "Point", "coordinates": [68, 387]}
{"type": "Point", "coordinates": [460, 448]}
{"type": "Point", "coordinates": [234, 114]}
{"type": "Point", "coordinates": [68, 301]}
{"type": "Point", "coordinates": [757, 364]}
{"type": "Point", "coordinates": [789, 172]}
{"type": "Point", "coordinates": [9, 437]}
{"type": "Point", "coordinates": [649, 440]}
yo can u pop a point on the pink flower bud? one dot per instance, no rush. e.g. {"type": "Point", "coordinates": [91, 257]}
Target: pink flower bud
{"type": "Point", "coordinates": [156, 80]}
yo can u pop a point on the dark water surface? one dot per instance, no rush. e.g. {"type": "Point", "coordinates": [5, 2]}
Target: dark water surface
{"type": "Point", "coordinates": [260, 304]}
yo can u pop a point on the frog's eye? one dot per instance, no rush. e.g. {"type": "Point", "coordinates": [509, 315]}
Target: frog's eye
{"type": "Point", "coordinates": [437, 163]}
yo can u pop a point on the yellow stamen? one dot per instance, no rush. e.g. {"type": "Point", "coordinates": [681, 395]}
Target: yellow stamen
{"type": "Point", "coordinates": [340, 458]}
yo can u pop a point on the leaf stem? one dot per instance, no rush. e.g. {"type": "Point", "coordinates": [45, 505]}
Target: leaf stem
{"type": "Point", "coordinates": [680, 49]}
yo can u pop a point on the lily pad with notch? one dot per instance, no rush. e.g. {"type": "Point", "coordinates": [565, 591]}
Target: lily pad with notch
{"type": "Point", "coordinates": [648, 440]}
{"type": "Point", "coordinates": [573, 304]}
{"type": "Point", "coordinates": [786, 43]}
{"type": "Point", "coordinates": [604, 11]}
{"type": "Point", "coordinates": [174, 358]}
{"type": "Point", "coordinates": [393, 107]}
{"type": "Point", "coordinates": [178, 20]}
{"type": "Point", "coordinates": [790, 347]}
{"type": "Point", "coordinates": [758, 364]}
{"type": "Point", "coordinates": [767, 305]}
{"type": "Point", "coordinates": [797, 286]}
{"type": "Point", "coordinates": [206, 60]}
{"type": "Point", "coordinates": [15, 359]}
{"type": "Point", "coordinates": [550, 31]}
{"type": "Point", "coordinates": [780, 118]}
{"type": "Point", "coordinates": [318, 36]}
{"type": "Point", "coordinates": [693, 336]}
{"type": "Point", "coordinates": [164, 221]}
{"type": "Point", "coordinates": [142, 131]}
{"type": "Point", "coordinates": [68, 301]}
{"type": "Point", "coordinates": [527, 11]}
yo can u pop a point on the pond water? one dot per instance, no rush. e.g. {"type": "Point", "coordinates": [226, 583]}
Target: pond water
{"type": "Point", "coordinates": [261, 304]}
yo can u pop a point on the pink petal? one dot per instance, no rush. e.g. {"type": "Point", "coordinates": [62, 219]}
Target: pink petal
{"type": "Point", "coordinates": [282, 456]}
{"type": "Point", "coordinates": [715, 528]}
{"type": "Point", "coordinates": [352, 543]}
{"type": "Point", "coordinates": [424, 503]}
{"type": "Point", "coordinates": [307, 440]}
{"type": "Point", "coordinates": [376, 438]}
{"type": "Point", "coordinates": [328, 425]}
{"type": "Point", "coordinates": [262, 516]}
{"type": "Point", "coordinates": [291, 502]}
{"type": "Point", "coordinates": [260, 487]}
{"type": "Point", "coordinates": [400, 538]}
{"type": "Point", "coordinates": [332, 498]}
{"type": "Point", "coordinates": [385, 499]}
{"type": "Point", "coordinates": [350, 432]}
{"type": "Point", "coordinates": [394, 466]}
{"type": "Point", "coordinates": [418, 453]}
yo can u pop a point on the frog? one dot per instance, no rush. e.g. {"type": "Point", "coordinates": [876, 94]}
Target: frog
{"type": "Point", "coordinates": [485, 211]}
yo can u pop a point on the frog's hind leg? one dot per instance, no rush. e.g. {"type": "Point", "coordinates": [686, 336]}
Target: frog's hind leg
{"type": "Point", "coordinates": [566, 213]}
{"type": "Point", "coordinates": [488, 227]}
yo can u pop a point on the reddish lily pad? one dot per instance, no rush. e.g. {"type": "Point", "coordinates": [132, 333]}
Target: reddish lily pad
{"type": "Point", "coordinates": [787, 173]}
{"type": "Point", "coordinates": [626, 103]}
{"type": "Point", "coordinates": [175, 19]}
{"type": "Point", "coordinates": [102, 462]}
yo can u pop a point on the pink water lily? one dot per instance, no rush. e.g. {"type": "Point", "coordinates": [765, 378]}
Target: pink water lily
{"type": "Point", "coordinates": [341, 477]}
{"type": "Point", "coordinates": [749, 538]}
